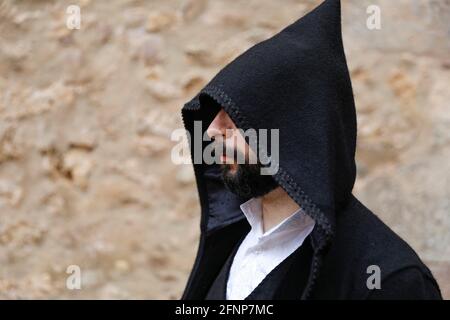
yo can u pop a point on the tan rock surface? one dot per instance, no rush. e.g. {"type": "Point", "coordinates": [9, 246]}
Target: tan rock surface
{"type": "Point", "coordinates": [86, 116]}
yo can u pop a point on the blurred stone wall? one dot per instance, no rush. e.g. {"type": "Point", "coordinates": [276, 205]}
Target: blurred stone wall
{"type": "Point", "coordinates": [86, 116]}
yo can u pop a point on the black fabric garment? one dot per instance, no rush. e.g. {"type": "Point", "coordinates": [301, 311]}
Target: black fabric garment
{"type": "Point", "coordinates": [218, 288]}
{"type": "Point", "coordinates": [298, 82]}
{"type": "Point", "coordinates": [284, 282]}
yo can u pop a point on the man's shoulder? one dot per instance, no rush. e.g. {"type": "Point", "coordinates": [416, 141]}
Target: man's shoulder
{"type": "Point", "coordinates": [364, 246]}
{"type": "Point", "coordinates": [366, 237]}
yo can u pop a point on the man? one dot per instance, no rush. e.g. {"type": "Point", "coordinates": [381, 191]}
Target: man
{"type": "Point", "coordinates": [299, 233]}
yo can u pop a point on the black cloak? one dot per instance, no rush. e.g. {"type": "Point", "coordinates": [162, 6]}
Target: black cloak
{"type": "Point", "coordinates": [298, 82]}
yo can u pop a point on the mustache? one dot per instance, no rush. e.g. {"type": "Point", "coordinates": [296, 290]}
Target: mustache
{"type": "Point", "coordinates": [221, 148]}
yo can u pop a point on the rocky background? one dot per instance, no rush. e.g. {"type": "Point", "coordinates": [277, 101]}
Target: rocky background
{"type": "Point", "coordinates": [86, 116]}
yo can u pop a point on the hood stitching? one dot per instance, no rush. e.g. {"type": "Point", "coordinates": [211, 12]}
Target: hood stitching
{"type": "Point", "coordinates": [283, 178]}
{"type": "Point", "coordinates": [325, 231]}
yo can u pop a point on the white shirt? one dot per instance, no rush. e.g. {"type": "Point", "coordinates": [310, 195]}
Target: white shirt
{"type": "Point", "coordinates": [260, 253]}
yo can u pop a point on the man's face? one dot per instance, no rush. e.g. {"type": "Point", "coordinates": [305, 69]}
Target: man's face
{"type": "Point", "coordinates": [240, 177]}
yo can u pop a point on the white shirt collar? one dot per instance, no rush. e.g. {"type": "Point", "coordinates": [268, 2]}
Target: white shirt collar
{"type": "Point", "coordinates": [252, 210]}
{"type": "Point", "coordinates": [260, 253]}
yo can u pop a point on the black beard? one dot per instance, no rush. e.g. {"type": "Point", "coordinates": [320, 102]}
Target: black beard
{"type": "Point", "coordinates": [247, 181]}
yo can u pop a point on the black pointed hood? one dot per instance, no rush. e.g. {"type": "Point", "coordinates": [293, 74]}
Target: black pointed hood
{"type": "Point", "coordinates": [296, 81]}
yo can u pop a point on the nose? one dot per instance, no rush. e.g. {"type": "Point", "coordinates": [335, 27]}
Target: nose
{"type": "Point", "coordinates": [219, 125]}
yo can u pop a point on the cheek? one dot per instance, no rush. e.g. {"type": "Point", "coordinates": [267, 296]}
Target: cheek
{"type": "Point", "coordinates": [241, 145]}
